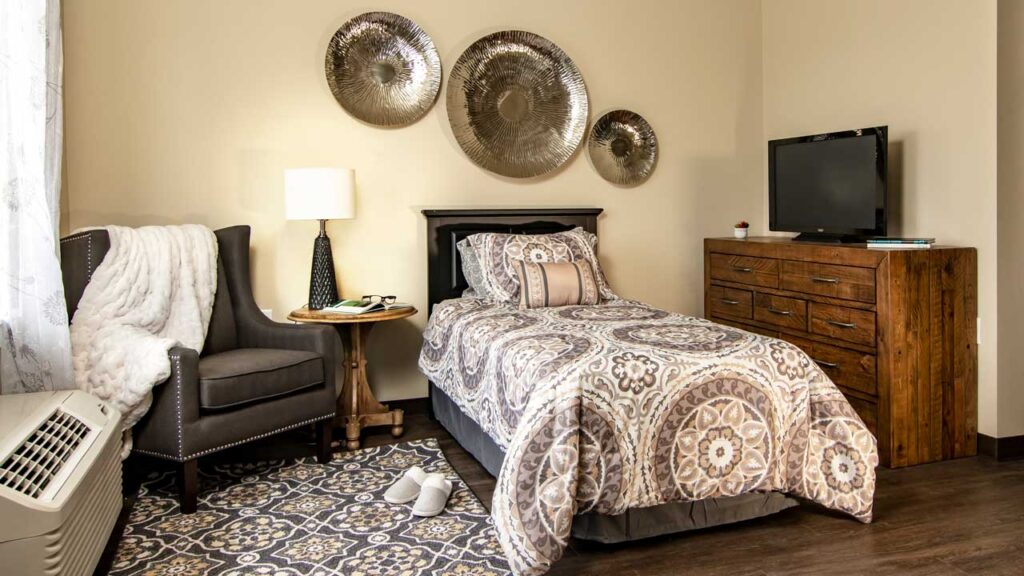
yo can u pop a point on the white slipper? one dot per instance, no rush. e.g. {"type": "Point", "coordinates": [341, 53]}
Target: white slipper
{"type": "Point", "coordinates": [407, 488]}
{"type": "Point", "coordinates": [433, 496]}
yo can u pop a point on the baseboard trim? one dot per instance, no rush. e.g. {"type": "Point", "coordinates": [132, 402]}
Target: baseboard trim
{"type": "Point", "coordinates": [1007, 448]}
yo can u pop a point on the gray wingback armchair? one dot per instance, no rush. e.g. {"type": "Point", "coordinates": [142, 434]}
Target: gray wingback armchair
{"type": "Point", "coordinates": [253, 377]}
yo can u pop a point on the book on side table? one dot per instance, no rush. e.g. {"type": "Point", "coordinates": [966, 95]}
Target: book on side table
{"type": "Point", "coordinates": [356, 307]}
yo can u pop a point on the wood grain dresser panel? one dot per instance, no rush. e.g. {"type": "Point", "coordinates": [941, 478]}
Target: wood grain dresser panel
{"type": "Point", "coordinates": [953, 314]}
{"type": "Point", "coordinates": [846, 282]}
{"type": "Point", "coordinates": [893, 329]}
{"type": "Point", "coordinates": [933, 384]}
{"type": "Point", "coordinates": [731, 302]}
{"type": "Point", "coordinates": [746, 270]}
{"type": "Point", "coordinates": [781, 311]}
{"type": "Point", "coordinates": [843, 323]}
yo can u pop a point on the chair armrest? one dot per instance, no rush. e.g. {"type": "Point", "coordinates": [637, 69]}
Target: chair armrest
{"type": "Point", "coordinates": [175, 406]}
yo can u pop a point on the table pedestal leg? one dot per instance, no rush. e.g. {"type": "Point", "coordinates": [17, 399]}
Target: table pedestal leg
{"type": "Point", "coordinates": [396, 422]}
{"type": "Point", "coordinates": [357, 407]}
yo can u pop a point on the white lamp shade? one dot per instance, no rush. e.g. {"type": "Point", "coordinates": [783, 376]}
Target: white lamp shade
{"type": "Point", "coordinates": [320, 193]}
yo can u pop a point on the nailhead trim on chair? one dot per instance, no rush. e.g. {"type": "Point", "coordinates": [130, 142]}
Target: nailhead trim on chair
{"type": "Point", "coordinates": [88, 250]}
{"type": "Point", "coordinates": [160, 454]}
{"type": "Point", "coordinates": [177, 393]}
{"type": "Point", "coordinates": [223, 446]}
{"type": "Point", "coordinates": [177, 390]}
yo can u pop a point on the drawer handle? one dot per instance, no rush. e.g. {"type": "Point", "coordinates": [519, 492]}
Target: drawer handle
{"type": "Point", "coordinates": [842, 324]}
{"type": "Point", "coordinates": [742, 269]}
{"type": "Point", "coordinates": [779, 312]}
{"type": "Point", "coordinates": [825, 364]}
{"type": "Point", "coordinates": [730, 302]}
{"type": "Point", "coordinates": [824, 280]}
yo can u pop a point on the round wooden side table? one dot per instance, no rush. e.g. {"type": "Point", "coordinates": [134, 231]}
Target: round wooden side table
{"type": "Point", "coordinates": [357, 407]}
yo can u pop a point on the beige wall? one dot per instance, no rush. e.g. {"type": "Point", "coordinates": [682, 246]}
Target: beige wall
{"type": "Point", "coordinates": [927, 68]}
{"type": "Point", "coordinates": [1011, 216]}
{"type": "Point", "coordinates": [189, 111]}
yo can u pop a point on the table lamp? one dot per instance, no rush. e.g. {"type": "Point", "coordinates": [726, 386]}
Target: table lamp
{"type": "Point", "coordinates": [320, 194]}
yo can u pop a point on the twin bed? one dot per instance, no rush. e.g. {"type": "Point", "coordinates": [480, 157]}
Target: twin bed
{"type": "Point", "coordinates": [620, 421]}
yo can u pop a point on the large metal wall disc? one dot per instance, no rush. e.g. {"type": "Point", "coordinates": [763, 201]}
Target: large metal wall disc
{"type": "Point", "coordinates": [623, 147]}
{"type": "Point", "coordinates": [383, 69]}
{"type": "Point", "coordinates": [517, 104]}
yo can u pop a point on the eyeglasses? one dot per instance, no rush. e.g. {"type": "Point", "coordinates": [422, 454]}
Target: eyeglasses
{"type": "Point", "coordinates": [377, 298]}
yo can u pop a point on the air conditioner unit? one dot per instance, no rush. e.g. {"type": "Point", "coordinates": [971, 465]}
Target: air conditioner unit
{"type": "Point", "coordinates": [60, 482]}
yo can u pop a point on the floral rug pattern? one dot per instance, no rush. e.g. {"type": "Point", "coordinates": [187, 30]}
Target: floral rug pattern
{"type": "Point", "coordinates": [292, 518]}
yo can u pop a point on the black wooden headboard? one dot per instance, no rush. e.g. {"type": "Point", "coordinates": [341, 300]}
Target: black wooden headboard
{"type": "Point", "coordinates": [446, 227]}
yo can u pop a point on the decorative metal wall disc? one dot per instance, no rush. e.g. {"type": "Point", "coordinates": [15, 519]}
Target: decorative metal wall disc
{"type": "Point", "coordinates": [623, 147]}
{"type": "Point", "coordinates": [517, 104]}
{"type": "Point", "coordinates": [383, 69]}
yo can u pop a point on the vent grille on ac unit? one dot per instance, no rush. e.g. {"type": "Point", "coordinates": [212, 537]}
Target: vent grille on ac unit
{"type": "Point", "coordinates": [31, 467]}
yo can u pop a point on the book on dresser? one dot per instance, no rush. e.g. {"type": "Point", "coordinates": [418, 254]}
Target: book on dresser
{"type": "Point", "coordinates": [888, 243]}
{"type": "Point", "coordinates": [895, 330]}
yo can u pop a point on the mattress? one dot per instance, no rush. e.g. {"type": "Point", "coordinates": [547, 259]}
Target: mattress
{"type": "Point", "coordinates": [613, 408]}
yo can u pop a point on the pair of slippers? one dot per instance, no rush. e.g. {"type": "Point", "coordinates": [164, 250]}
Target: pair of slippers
{"type": "Point", "coordinates": [430, 491]}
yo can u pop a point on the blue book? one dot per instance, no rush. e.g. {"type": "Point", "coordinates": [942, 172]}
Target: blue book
{"type": "Point", "coordinates": [898, 241]}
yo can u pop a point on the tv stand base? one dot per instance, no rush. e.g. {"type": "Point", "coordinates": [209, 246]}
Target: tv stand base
{"type": "Point", "coordinates": [828, 238]}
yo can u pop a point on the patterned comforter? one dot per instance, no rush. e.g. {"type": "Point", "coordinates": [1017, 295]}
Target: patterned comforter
{"type": "Point", "coordinates": [623, 406]}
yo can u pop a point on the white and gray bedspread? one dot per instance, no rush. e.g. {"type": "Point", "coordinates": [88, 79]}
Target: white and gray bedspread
{"type": "Point", "coordinates": [623, 405]}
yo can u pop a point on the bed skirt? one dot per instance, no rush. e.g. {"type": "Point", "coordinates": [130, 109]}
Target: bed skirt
{"type": "Point", "coordinates": [634, 524]}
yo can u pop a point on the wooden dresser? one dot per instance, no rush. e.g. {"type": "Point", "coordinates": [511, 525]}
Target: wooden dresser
{"type": "Point", "coordinates": [894, 329]}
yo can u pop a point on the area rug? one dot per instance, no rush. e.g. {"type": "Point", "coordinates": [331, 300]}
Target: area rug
{"type": "Point", "coordinates": [292, 518]}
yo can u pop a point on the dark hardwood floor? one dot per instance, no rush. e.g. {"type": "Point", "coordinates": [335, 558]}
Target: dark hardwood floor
{"type": "Point", "coordinates": [958, 517]}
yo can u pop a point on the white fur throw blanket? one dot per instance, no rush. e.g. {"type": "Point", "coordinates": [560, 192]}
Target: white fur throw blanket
{"type": "Point", "coordinates": [154, 290]}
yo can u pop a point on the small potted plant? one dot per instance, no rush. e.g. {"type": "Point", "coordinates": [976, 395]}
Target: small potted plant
{"type": "Point", "coordinates": [740, 230]}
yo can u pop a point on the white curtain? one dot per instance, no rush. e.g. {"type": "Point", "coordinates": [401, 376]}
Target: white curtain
{"type": "Point", "coordinates": [35, 348]}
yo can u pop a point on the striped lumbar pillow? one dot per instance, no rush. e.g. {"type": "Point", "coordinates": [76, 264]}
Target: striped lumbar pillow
{"type": "Point", "coordinates": [549, 284]}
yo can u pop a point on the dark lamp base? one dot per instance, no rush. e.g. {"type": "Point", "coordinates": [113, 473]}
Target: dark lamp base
{"type": "Point", "coordinates": [323, 287]}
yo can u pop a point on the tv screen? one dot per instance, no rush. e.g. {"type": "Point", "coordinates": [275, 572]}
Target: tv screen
{"type": "Point", "coordinates": [829, 184]}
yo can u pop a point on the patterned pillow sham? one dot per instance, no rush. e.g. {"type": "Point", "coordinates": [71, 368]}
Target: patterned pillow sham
{"type": "Point", "coordinates": [553, 284]}
{"type": "Point", "coordinates": [496, 254]}
{"type": "Point", "coordinates": [471, 270]}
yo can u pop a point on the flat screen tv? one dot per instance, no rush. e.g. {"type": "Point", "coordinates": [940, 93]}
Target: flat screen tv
{"type": "Point", "coordinates": [829, 187]}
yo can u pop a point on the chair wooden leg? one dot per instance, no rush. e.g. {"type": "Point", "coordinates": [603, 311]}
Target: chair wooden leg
{"type": "Point", "coordinates": [188, 486]}
{"type": "Point", "coordinates": [323, 440]}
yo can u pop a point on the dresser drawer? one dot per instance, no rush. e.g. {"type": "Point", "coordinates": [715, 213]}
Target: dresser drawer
{"type": "Point", "coordinates": [781, 311]}
{"type": "Point", "coordinates": [747, 327]}
{"type": "Point", "coordinates": [846, 282]}
{"type": "Point", "coordinates": [846, 368]}
{"type": "Point", "coordinates": [868, 412]}
{"type": "Point", "coordinates": [857, 326]}
{"type": "Point", "coordinates": [731, 302]}
{"type": "Point", "coordinates": [745, 270]}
